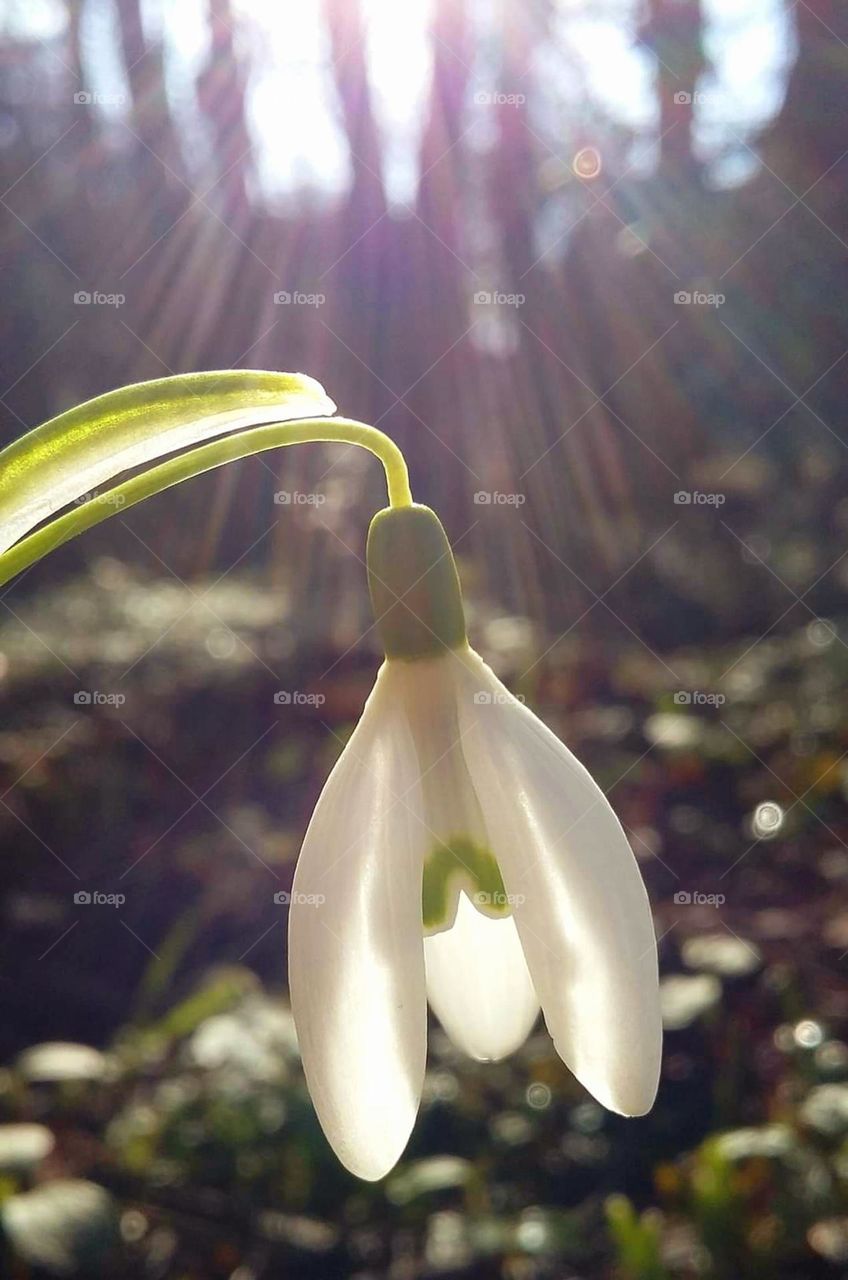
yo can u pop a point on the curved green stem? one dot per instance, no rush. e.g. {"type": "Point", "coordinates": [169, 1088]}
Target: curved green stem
{"type": "Point", "coordinates": [206, 458]}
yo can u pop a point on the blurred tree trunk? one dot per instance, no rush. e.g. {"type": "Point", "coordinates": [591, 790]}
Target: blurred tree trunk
{"type": "Point", "coordinates": [514, 193]}
{"type": "Point", "coordinates": [85, 131]}
{"type": "Point", "coordinates": [220, 92]}
{"type": "Point", "coordinates": [356, 269]}
{"type": "Point", "coordinates": [674, 33]}
{"type": "Point", "coordinates": [810, 129]}
{"type": "Point", "coordinates": [160, 178]}
{"type": "Point", "coordinates": [438, 276]}
{"type": "Point", "coordinates": [439, 196]}
{"type": "Point", "coordinates": [347, 41]}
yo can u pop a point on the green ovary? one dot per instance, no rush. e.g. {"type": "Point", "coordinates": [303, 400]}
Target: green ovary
{"type": "Point", "coordinates": [460, 863]}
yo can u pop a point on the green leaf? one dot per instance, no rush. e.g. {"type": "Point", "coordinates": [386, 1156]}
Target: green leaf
{"type": "Point", "coordinates": [69, 456]}
{"type": "Point", "coordinates": [637, 1239]}
{"type": "Point", "coordinates": [196, 461]}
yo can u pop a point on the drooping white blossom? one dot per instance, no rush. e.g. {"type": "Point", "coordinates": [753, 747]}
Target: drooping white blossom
{"type": "Point", "coordinates": [461, 853]}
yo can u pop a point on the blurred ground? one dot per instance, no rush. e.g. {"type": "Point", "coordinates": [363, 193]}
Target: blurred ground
{"type": "Point", "coordinates": [197, 1119]}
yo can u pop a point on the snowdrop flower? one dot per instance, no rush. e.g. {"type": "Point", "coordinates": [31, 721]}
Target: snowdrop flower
{"type": "Point", "coordinates": [458, 853]}
{"type": "Point", "coordinates": [461, 855]}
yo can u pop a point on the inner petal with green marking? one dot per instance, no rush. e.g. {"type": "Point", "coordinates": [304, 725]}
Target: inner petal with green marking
{"type": "Point", "coordinates": [457, 857]}
{"type": "Point", "coordinates": [455, 865]}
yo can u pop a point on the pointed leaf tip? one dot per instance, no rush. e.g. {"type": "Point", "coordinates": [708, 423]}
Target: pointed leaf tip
{"type": "Point", "coordinates": [69, 456]}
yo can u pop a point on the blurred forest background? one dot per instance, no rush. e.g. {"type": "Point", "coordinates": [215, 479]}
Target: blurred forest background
{"type": "Point", "coordinates": [585, 260]}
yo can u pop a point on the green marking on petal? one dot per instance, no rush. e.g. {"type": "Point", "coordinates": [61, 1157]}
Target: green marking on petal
{"type": "Point", "coordinates": [460, 863]}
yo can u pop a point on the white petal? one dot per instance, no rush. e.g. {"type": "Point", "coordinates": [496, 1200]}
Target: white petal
{"type": "Point", "coordinates": [456, 853]}
{"type": "Point", "coordinates": [584, 921]}
{"type": "Point", "coordinates": [356, 960]}
{"type": "Point", "coordinates": [478, 984]}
